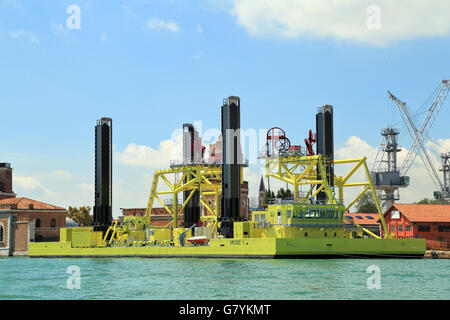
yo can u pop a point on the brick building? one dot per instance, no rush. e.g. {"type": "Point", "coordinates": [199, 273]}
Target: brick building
{"type": "Point", "coordinates": [370, 221]}
{"type": "Point", "coordinates": [428, 221]}
{"type": "Point", "coordinates": [6, 181]}
{"type": "Point", "coordinates": [244, 200]}
{"type": "Point", "coordinates": [23, 220]}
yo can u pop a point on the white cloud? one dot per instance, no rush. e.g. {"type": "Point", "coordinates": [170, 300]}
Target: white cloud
{"type": "Point", "coordinates": [161, 25]}
{"type": "Point", "coordinates": [21, 34]}
{"type": "Point", "coordinates": [196, 56]}
{"type": "Point", "coordinates": [30, 184]}
{"type": "Point", "coordinates": [440, 146]}
{"type": "Point", "coordinates": [421, 183]}
{"type": "Point", "coordinates": [344, 19]}
{"type": "Point", "coordinates": [141, 155]}
{"type": "Point", "coordinates": [199, 29]}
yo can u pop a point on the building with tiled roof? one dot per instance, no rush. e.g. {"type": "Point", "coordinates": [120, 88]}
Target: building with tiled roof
{"type": "Point", "coordinates": [429, 221]}
{"type": "Point", "coordinates": [23, 220]}
{"type": "Point", "coordinates": [365, 220]}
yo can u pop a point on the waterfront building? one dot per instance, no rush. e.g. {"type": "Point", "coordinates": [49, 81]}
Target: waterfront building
{"type": "Point", "coordinates": [23, 220]}
{"type": "Point", "coordinates": [429, 221]}
{"type": "Point", "coordinates": [365, 220]}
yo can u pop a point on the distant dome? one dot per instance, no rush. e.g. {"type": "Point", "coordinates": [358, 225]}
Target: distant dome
{"type": "Point", "coordinates": [70, 223]}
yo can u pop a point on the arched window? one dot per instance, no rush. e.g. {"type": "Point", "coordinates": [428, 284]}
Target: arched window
{"type": "Point", "coordinates": [53, 223]}
{"type": "Point", "coordinates": [38, 223]}
{"type": "Point", "coordinates": [1, 233]}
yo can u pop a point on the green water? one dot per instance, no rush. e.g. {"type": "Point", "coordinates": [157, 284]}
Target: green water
{"type": "Point", "coordinates": [137, 278]}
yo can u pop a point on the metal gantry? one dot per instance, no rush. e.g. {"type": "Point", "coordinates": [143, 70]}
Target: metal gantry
{"type": "Point", "coordinates": [207, 179]}
{"type": "Point", "coordinates": [418, 135]}
{"type": "Point", "coordinates": [298, 171]}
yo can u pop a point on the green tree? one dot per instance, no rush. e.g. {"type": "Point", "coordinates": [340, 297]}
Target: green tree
{"type": "Point", "coordinates": [268, 196]}
{"type": "Point", "coordinates": [284, 194]}
{"type": "Point", "coordinates": [366, 203]}
{"type": "Point", "coordinates": [281, 194]}
{"type": "Point", "coordinates": [430, 201]}
{"type": "Point", "coordinates": [80, 215]}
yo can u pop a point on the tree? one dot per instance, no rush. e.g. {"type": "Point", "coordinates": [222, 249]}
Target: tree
{"type": "Point", "coordinates": [268, 196]}
{"type": "Point", "coordinates": [366, 203]}
{"type": "Point", "coordinates": [430, 201]}
{"type": "Point", "coordinates": [80, 215]}
{"type": "Point", "coordinates": [284, 194]}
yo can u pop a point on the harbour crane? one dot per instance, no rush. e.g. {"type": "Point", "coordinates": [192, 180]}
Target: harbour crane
{"type": "Point", "coordinates": [418, 135]}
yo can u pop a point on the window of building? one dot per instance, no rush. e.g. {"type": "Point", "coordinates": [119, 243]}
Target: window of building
{"type": "Point", "coordinates": [306, 234]}
{"type": "Point", "coordinates": [393, 228]}
{"type": "Point", "coordinates": [349, 217]}
{"type": "Point", "coordinates": [289, 212]}
{"type": "Point", "coordinates": [1, 233]}
{"type": "Point", "coordinates": [256, 217]}
{"type": "Point", "coordinates": [400, 228]}
{"type": "Point", "coordinates": [424, 228]}
{"type": "Point", "coordinates": [359, 217]}
{"type": "Point", "coordinates": [443, 228]}
{"type": "Point", "coordinates": [53, 223]}
{"type": "Point", "coordinates": [369, 217]}
{"type": "Point", "coordinates": [38, 223]}
{"type": "Point", "coordinates": [408, 228]}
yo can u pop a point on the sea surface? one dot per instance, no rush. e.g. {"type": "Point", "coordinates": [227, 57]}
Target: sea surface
{"type": "Point", "coordinates": [192, 279]}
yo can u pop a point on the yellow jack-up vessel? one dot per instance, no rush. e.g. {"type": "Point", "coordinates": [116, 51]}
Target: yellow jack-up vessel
{"type": "Point", "coordinates": [310, 225]}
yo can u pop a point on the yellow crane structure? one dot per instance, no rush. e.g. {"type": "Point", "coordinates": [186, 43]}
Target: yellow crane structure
{"type": "Point", "coordinates": [204, 178]}
{"type": "Point", "coordinates": [298, 171]}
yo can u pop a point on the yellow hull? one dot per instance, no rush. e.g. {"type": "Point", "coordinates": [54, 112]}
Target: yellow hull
{"type": "Point", "coordinates": [247, 248]}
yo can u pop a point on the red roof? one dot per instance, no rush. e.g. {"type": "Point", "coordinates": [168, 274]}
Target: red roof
{"type": "Point", "coordinates": [24, 204]}
{"type": "Point", "coordinates": [424, 212]}
{"type": "Point", "coordinates": [363, 218]}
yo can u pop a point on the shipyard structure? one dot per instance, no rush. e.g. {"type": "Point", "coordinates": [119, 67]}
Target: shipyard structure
{"type": "Point", "coordinates": [310, 224]}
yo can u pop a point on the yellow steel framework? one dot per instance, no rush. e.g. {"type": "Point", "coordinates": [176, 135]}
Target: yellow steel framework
{"type": "Point", "coordinates": [206, 179]}
{"type": "Point", "coordinates": [311, 170]}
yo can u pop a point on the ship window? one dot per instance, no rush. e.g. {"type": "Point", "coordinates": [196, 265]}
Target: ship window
{"type": "Point", "coordinates": [330, 214]}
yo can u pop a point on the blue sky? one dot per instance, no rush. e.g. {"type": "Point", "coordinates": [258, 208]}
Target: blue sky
{"type": "Point", "coordinates": [126, 62]}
